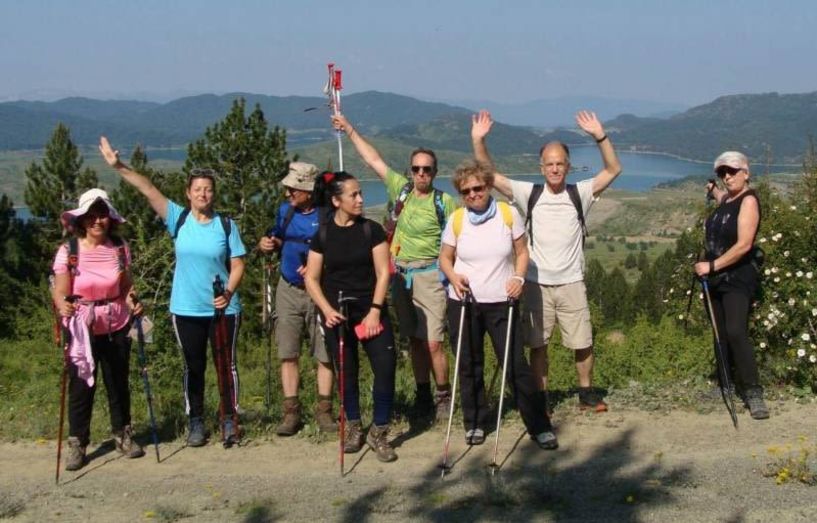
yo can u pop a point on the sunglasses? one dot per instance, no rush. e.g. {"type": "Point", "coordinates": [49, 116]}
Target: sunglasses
{"type": "Point", "coordinates": [426, 169]}
{"type": "Point", "coordinates": [725, 169]}
{"type": "Point", "coordinates": [477, 189]}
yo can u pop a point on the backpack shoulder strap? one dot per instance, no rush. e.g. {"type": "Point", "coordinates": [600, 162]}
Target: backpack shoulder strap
{"type": "Point", "coordinates": [73, 255]}
{"type": "Point", "coordinates": [180, 222]}
{"type": "Point", "coordinates": [439, 207]}
{"type": "Point", "coordinates": [507, 215]}
{"type": "Point", "coordinates": [367, 231]}
{"type": "Point", "coordinates": [456, 224]}
{"type": "Point", "coordinates": [535, 193]}
{"type": "Point", "coordinates": [573, 193]}
{"type": "Point", "coordinates": [121, 254]}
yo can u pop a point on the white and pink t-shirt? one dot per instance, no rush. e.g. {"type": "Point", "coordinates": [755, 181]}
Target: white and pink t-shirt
{"type": "Point", "coordinates": [485, 255]}
{"type": "Point", "coordinates": [97, 278]}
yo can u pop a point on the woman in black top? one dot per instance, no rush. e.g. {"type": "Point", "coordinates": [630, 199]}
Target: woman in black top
{"type": "Point", "coordinates": [349, 256]}
{"type": "Point", "coordinates": [730, 237]}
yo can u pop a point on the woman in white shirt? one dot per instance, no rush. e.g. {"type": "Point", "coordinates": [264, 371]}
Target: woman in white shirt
{"type": "Point", "coordinates": [484, 253]}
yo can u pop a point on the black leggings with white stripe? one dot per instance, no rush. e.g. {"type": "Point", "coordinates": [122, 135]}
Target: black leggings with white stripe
{"type": "Point", "coordinates": [192, 333]}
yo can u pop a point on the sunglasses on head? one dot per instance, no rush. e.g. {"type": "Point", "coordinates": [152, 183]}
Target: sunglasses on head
{"type": "Point", "coordinates": [426, 169]}
{"type": "Point", "coordinates": [477, 189]}
{"type": "Point", "coordinates": [723, 170]}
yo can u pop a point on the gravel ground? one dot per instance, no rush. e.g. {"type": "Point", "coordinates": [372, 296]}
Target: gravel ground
{"type": "Point", "coordinates": [625, 465]}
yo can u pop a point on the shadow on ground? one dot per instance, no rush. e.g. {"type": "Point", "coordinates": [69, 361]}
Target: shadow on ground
{"type": "Point", "coordinates": [532, 485]}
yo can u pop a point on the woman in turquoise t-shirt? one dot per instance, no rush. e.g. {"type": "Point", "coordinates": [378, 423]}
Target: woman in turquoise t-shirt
{"type": "Point", "coordinates": [206, 244]}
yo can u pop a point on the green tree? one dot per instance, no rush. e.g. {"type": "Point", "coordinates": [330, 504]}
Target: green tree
{"type": "Point", "coordinates": [630, 261]}
{"type": "Point", "coordinates": [642, 262]}
{"type": "Point", "coordinates": [250, 159]}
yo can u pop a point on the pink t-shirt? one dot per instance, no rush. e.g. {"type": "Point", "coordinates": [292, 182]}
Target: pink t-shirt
{"type": "Point", "coordinates": [97, 278]}
{"type": "Point", "coordinates": [485, 254]}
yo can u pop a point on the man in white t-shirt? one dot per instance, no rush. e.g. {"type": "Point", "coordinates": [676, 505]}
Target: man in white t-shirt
{"type": "Point", "coordinates": [554, 289]}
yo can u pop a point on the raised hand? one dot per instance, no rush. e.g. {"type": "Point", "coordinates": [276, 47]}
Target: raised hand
{"type": "Point", "coordinates": [109, 154]}
{"type": "Point", "coordinates": [590, 124]}
{"type": "Point", "coordinates": [340, 123]}
{"type": "Point", "coordinates": [481, 125]}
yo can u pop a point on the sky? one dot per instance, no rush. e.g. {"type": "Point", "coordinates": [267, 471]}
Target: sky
{"type": "Point", "coordinates": [511, 51]}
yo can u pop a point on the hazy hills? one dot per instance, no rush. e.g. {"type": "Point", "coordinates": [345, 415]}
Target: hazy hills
{"type": "Point", "coordinates": [758, 124]}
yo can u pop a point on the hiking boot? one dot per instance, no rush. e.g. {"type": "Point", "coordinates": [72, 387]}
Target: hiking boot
{"type": "Point", "coordinates": [378, 440]}
{"type": "Point", "coordinates": [125, 444]}
{"type": "Point", "coordinates": [475, 437]}
{"type": "Point", "coordinates": [442, 405]}
{"type": "Point", "coordinates": [754, 401]}
{"type": "Point", "coordinates": [353, 439]}
{"type": "Point", "coordinates": [197, 435]}
{"type": "Point", "coordinates": [423, 402]}
{"type": "Point", "coordinates": [546, 440]}
{"type": "Point", "coordinates": [232, 434]}
{"type": "Point", "coordinates": [324, 418]}
{"type": "Point", "coordinates": [291, 423]}
{"type": "Point", "coordinates": [75, 458]}
{"type": "Point", "coordinates": [589, 399]}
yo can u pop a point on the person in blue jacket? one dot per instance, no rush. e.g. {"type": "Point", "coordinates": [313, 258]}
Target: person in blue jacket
{"type": "Point", "coordinates": [297, 222]}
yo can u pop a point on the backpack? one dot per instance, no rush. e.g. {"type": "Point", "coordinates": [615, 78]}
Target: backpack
{"type": "Point", "coordinates": [457, 217]}
{"type": "Point", "coordinates": [572, 192]}
{"type": "Point", "coordinates": [225, 224]}
{"type": "Point", "coordinates": [400, 202]}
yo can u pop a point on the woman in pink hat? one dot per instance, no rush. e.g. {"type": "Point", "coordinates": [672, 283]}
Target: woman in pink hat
{"type": "Point", "coordinates": [93, 295]}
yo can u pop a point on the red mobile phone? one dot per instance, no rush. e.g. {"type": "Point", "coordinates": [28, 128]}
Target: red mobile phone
{"type": "Point", "coordinates": [360, 331]}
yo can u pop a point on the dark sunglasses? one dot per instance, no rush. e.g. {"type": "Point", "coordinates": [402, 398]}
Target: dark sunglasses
{"type": "Point", "coordinates": [475, 189]}
{"type": "Point", "coordinates": [723, 170]}
{"type": "Point", "coordinates": [427, 169]}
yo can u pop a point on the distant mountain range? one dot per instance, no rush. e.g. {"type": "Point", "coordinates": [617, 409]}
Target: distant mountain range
{"type": "Point", "coordinates": [758, 124]}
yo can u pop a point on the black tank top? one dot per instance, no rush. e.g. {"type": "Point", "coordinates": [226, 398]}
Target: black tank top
{"type": "Point", "coordinates": [722, 230]}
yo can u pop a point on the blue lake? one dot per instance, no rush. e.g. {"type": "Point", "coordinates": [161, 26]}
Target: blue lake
{"type": "Point", "coordinates": [641, 172]}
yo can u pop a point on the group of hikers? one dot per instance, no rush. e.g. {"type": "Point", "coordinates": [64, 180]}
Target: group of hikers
{"type": "Point", "coordinates": [513, 270]}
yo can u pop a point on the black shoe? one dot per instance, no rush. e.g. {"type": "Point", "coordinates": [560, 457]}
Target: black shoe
{"type": "Point", "coordinates": [754, 401]}
{"type": "Point", "coordinates": [475, 436]}
{"type": "Point", "coordinates": [546, 440]}
{"type": "Point", "coordinates": [589, 399]}
{"type": "Point", "coordinates": [197, 436]}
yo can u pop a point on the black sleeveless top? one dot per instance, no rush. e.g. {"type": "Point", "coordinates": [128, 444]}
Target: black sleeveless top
{"type": "Point", "coordinates": [722, 234]}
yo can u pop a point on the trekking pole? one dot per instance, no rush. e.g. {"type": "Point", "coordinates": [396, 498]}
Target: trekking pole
{"type": "Point", "coordinates": [62, 338]}
{"type": "Point", "coordinates": [143, 370]}
{"type": "Point", "coordinates": [726, 391]}
{"type": "Point", "coordinates": [333, 87]}
{"type": "Point", "coordinates": [220, 337]}
{"type": "Point", "coordinates": [268, 326]}
{"type": "Point", "coordinates": [341, 380]}
{"type": "Point", "coordinates": [444, 466]}
{"type": "Point", "coordinates": [508, 335]}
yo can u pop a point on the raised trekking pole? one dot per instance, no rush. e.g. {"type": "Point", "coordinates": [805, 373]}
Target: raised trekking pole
{"type": "Point", "coordinates": [332, 89]}
{"type": "Point", "coordinates": [508, 336]}
{"type": "Point", "coordinates": [720, 358]}
{"type": "Point", "coordinates": [143, 370]}
{"type": "Point", "coordinates": [444, 465]}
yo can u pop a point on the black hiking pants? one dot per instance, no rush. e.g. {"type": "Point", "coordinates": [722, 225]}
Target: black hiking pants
{"type": "Point", "coordinates": [493, 319]}
{"type": "Point", "coordinates": [731, 307]}
{"type": "Point", "coordinates": [112, 355]}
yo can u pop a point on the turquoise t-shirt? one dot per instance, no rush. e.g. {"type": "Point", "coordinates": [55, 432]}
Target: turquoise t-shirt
{"type": "Point", "coordinates": [200, 252]}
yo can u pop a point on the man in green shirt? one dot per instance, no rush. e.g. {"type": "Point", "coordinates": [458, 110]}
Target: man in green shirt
{"type": "Point", "coordinates": [418, 296]}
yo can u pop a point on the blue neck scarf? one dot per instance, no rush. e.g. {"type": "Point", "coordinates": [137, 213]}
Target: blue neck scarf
{"type": "Point", "coordinates": [478, 217]}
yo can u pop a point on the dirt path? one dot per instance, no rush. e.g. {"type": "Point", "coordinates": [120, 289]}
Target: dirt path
{"type": "Point", "coordinates": [626, 465]}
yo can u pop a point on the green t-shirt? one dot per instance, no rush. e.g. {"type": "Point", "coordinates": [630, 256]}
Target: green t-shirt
{"type": "Point", "coordinates": [418, 230]}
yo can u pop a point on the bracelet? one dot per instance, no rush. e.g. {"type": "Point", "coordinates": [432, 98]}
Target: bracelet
{"type": "Point", "coordinates": [377, 306]}
{"type": "Point", "coordinates": [228, 294]}
{"type": "Point", "coordinates": [519, 278]}
{"type": "Point", "coordinates": [601, 139]}
{"type": "Point", "coordinates": [711, 266]}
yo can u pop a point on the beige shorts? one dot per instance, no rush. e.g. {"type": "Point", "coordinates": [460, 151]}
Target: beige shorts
{"type": "Point", "coordinates": [547, 305]}
{"type": "Point", "coordinates": [420, 309]}
{"type": "Point", "coordinates": [294, 314]}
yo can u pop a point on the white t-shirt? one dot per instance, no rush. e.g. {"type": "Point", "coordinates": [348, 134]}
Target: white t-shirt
{"type": "Point", "coordinates": [485, 254]}
{"type": "Point", "coordinates": [556, 255]}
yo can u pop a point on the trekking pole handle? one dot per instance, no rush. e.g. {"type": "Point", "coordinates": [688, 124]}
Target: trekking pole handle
{"type": "Point", "coordinates": [713, 184]}
{"type": "Point", "coordinates": [218, 287]}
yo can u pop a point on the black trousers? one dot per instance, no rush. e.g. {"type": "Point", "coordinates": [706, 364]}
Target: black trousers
{"type": "Point", "coordinates": [192, 334]}
{"type": "Point", "coordinates": [382, 358]}
{"type": "Point", "coordinates": [112, 355]}
{"type": "Point", "coordinates": [731, 307]}
{"type": "Point", "coordinates": [493, 319]}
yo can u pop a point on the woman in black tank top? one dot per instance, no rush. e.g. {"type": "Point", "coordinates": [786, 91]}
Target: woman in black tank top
{"type": "Point", "coordinates": [730, 236]}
